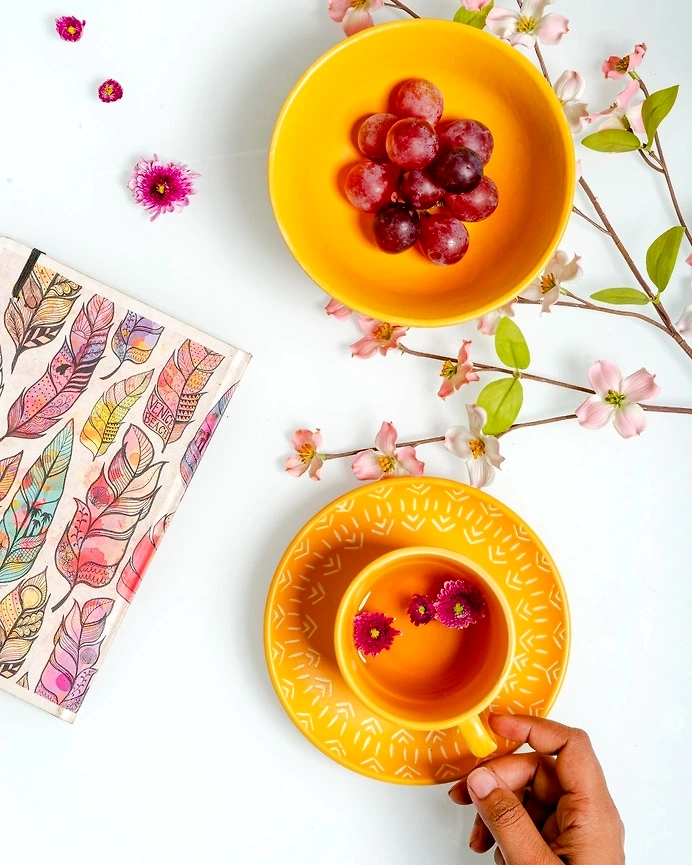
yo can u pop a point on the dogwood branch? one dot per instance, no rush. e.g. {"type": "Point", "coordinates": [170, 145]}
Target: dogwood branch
{"type": "Point", "coordinates": [411, 444]}
{"type": "Point", "coordinates": [660, 309]}
{"type": "Point", "coordinates": [395, 4]}
{"type": "Point", "coordinates": [660, 158]}
{"type": "Point", "coordinates": [503, 370]}
{"type": "Point", "coordinates": [581, 303]}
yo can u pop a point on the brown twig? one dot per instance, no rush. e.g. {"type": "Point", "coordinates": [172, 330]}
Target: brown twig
{"type": "Point", "coordinates": [665, 409]}
{"type": "Point", "coordinates": [660, 309]}
{"type": "Point", "coordinates": [485, 367]}
{"type": "Point", "coordinates": [664, 169]}
{"type": "Point", "coordinates": [395, 4]}
{"type": "Point", "coordinates": [651, 164]}
{"type": "Point", "coordinates": [412, 444]}
{"type": "Point", "coordinates": [537, 423]}
{"type": "Point", "coordinates": [589, 220]}
{"type": "Point", "coordinates": [582, 303]}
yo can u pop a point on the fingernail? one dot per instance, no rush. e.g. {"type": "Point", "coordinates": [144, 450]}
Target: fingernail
{"type": "Point", "coordinates": [474, 836]}
{"type": "Point", "coordinates": [482, 782]}
{"type": "Point", "coordinates": [455, 796]}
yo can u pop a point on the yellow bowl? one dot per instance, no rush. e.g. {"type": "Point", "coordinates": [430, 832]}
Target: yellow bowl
{"type": "Point", "coordinates": [532, 164]}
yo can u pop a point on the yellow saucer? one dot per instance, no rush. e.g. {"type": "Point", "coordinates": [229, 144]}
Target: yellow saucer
{"type": "Point", "coordinates": [326, 555]}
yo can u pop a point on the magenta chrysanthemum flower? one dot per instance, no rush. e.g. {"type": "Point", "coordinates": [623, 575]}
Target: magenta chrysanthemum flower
{"type": "Point", "coordinates": [110, 91]}
{"type": "Point", "coordinates": [69, 28]}
{"type": "Point", "coordinates": [421, 610]}
{"type": "Point", "coordinates": [373, 632]}
{"type": "Point", "coordinates": [459, 604]}
{"type": "Point", "coordinates": [162, 187]}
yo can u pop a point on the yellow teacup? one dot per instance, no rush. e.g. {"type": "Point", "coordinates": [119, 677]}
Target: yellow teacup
{"type": "Point", "coordinates": [433, 677]}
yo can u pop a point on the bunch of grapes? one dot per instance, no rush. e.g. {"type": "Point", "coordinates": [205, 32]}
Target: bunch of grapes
{"type": "Point", "coordinates": [424, 178]}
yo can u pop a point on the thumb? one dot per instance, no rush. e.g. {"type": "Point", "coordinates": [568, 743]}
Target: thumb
{"type": "Point", "coordinates": [504, 815]}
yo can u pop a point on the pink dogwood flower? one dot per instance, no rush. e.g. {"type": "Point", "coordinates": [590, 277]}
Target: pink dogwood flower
{"type": "Point", "coordinates": [488, 323]}
{"type": "Point", "coordinates": [558, 270]}
{"type": "Point", "coordinates": [475, 5]}
{"type": "Point", "coordinates": [354, 15]}
{"type": "Point", "coordinates": [457, 374]}
{"type": "Point", "coordinates": [617, 399]}
{"type": "Point", "coordinates": [307, 458]}
{"type": "Point", "coordinates": [618, 67]}
{"type": "Point", "coordinates": [377, 336]}
{"type": "Point", "coordinates": [527, 25]}
{"type": "Point", "coordinates": [622, 113]}
{"type": "Point", "coordinates": [338, 310]}
{"type": "Point", "coordinates": [481, 452]}
{"type": "Point", "coordinates": [384, 460]}
{"type": "Point", "coordinates": [569, 88]}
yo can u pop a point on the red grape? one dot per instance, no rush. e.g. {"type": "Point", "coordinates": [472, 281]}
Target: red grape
{"type": "Point", "coordinates": [396, 227]}
{"type": "Point", "coordinates": [475, 205]}
{"type": "Point", "coordinates": [443, 238]}
{"type": "Point", "coordinates": [469, 133]}
{"type": "Point", "coordinates": [457, 170]}
{"type": "Point", "coordinates": [420, 98]}
{"type": "Point", "coordinates": [412, 143]}
{"type": "Point", "coordinates": [420, 190]}
{"type": "Point", "coordinates": [369, 185]}
{"type": "Point", "coordinates": [372, 135]}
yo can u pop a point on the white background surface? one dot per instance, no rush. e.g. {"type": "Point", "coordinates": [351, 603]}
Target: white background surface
{"type": "Point", "coordinates": [182, 752]}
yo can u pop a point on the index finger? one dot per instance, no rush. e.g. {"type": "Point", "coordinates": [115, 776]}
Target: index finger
{"type": "Point", "coordinates": [577, 766]}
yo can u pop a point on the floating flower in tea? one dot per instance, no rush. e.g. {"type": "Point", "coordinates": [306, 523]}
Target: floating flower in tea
{"type": "Point", "coordinates": [421, 610]}
{"type": "Point", "coordinates": [460, 604]}
{"type": "Point", "coordinates": [373, 632]}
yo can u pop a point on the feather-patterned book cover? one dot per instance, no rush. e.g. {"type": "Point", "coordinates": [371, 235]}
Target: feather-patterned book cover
{"type": "Point", "coordinates": [106, 409]}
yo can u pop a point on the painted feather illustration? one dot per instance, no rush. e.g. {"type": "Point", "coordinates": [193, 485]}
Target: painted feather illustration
{"type": "Point", "coordinates": [38, 308]}
{"type": "Point", "coordinates": [42, 405]}
{"type": "Point", "coordinates": [21, 617]}
{"type": "Point", "coordinates": [103, 423]}
{"type": "Point", "coordinates": [135, 339]}
{"type": "Point", "coordinates": [9, 466]}
{"type": "Point", "coordinates": [95, 540]}
{"type": "Point", "coordinates": [134, 570]}
{"type": "Point", "coordinates": [76, 649]}
{"type": "Point", "coordinates": [195, 450]}
{"type": "Point", "coordinates": [172, 403]}
{"type": "Point", "coordinates": [26, 521]}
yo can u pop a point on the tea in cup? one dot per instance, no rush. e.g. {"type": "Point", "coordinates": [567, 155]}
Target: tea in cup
{"type": "Point", "coordinates": [433, 676]}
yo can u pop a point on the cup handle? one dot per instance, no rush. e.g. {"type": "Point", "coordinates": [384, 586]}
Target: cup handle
{"type": "Point", "coordinates": [481, 743]}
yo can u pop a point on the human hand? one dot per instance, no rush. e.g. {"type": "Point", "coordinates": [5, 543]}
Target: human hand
{"type": "Point", "coordinates": [546, 808]}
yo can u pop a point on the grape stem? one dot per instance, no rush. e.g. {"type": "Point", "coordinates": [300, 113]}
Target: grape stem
{"type": "Point", "coordinates": [395, 4]}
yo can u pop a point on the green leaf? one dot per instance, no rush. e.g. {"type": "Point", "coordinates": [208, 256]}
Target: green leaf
{"type": "Point", "coordinates": [622, 297]}
{"type": "Point", "coordinates": [502, 401]}
{"type": "Point", "coordinates": [612, 141]}
{"type": "Point", "coordinates": [661, 256]}
{"type": "Point", "coordinates": [511, 346]}
{"type": "Point", "coordinates": [473, 19]}
{"type": "Point", "coordinates": [656, 108]}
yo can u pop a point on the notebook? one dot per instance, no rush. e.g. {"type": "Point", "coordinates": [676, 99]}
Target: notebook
{"type": "Point", "coordinates": [106, 409]}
